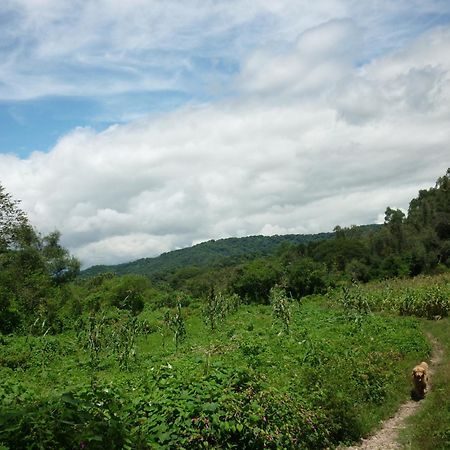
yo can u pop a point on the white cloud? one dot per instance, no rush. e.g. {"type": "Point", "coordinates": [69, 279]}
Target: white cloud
{"type": "Point", "coordinates": [334, 144]}
{"type": "Point", "coordinates": [124, 248]}
{"type": "Point", "coordinates": [322, 56]}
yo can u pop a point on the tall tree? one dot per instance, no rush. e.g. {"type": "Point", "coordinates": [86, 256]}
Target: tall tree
{"type": "Point", "coordinates": [31, 267]}
{"type": "Point", "coordinates": [13, 221]}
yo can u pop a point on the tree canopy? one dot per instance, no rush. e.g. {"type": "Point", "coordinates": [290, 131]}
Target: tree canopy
{"type": "Point", "coordinates": [31, 267]}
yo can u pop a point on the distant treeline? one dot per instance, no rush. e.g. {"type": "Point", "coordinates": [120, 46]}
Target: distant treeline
{"type": "Point", "coordinates": [217, 253]}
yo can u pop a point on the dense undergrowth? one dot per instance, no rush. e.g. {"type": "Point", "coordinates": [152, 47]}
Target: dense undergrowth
{"type": "Point", "coordinates": [249, 383]}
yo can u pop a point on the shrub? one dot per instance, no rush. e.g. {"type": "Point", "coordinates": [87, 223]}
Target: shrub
{"type": "Point", "coordinates": [127, 292]}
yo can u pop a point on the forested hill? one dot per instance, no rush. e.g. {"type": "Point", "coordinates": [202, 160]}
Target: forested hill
{"type": "Point", "coordinates": [212, 253]}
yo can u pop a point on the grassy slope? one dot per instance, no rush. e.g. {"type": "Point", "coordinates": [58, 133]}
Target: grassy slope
{"type": "Point", "coordinates": [430, 428]}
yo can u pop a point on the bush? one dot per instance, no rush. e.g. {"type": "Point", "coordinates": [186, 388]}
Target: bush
{"type": "Point", "coordinates": [127, 292]}
{"type": "Point", "coordinates": [306, 277]}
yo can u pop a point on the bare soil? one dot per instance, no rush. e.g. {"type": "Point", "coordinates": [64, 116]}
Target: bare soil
{"type": "Point", "coordinates": [386, 437]}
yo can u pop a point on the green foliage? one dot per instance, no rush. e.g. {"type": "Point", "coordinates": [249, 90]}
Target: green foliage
{"type": "Point", "coordinates": [225, 410]}
{"type": "Point", "coordinates": [337, 374]}
{"type": "Point", "coordinates": [174, 321]}
{"type": "Point", "coordinates": [114, 335]}
{"type": "Point", "coordinates": [125, 332]}
{"type": "Point", "coordinates": [10, 316]}
{"type": "Point", "coordinates": [127, 292]}
{"type": "Point", "coordinates": [218, 306]}
{"type": "Point", "coordinates": [214, 253]}
{"type": "Point", "coordinates": [87, 418]}
{"type": "Point", "coordinates": [253, 281]}
{"type": "Point", "coordinates": [281, 307]}
{"type": "Point", "coordinates": [59, 263]}
{"type": "Point", "coordinates": [306, 277]}
{"type": "Point", "coordinates": [425, 296]}
{"type": "Point", "coordinates": [94, 338]}
{"type": "Point", "coordinates": [13, 222]}
{"type": "Point", "coordinates": [336, 253]}
{"type": "Point", "coordinates": [259, 391]}
{"type": "Point", "coordinates": [31, 269]}
{"type": "Point", "coordinates": [353, 300]}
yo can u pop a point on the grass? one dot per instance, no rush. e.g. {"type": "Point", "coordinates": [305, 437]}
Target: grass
{"type": "Point", "coordinates": [430, 428]}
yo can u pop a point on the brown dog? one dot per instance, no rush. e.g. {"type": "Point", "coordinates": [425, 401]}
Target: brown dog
{"type": "Point", "coordinates": [420, 381]}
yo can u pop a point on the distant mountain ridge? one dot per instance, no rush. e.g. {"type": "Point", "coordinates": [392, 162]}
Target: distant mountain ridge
{"type": "Point", "coordinates": [211, 253]}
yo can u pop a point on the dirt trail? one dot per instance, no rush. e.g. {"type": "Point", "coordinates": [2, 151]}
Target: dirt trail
{"type": "Point", "coordinates": [386, 437]}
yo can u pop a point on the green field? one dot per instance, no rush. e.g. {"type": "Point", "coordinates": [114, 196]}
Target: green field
{"type": "Point", "coordinates": [248, 381]}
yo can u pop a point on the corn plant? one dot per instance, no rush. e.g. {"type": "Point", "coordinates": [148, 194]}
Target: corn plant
{"type": "Point", "coordinates": [175, 323]}
{"type": "Point", "coordinates": [93, 338]}
{"type": "Point", "coordinates": [354, 300]}
{"type": "Point", "coordinates": [281, 307]}
{"type": "Point", "coordinates": [124, 334]}
{"type": "Point", "coordinates": [218, 306]}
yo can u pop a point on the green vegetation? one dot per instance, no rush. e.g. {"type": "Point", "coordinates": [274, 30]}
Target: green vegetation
{"type": "Point", "coordinates": [34, 272]}
{"type": "Point", "coordinates": [216, 253]}
{"type": "Point", "coordinates": [423, 296]}
{"type": "Point", "coordinates": [246, 386]}
{"type": "Point", "coordinates": [308, 345]}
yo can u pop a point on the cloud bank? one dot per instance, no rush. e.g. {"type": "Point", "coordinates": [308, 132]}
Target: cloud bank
{"type": "Point", "coordinates": [314, 138]}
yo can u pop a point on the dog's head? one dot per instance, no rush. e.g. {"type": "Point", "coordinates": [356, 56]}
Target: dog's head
{"type": "Point", "coordinates": [418, 373]}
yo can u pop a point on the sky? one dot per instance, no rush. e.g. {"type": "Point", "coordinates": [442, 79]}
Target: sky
{"type": "Point", "coordinates": [139, 127]}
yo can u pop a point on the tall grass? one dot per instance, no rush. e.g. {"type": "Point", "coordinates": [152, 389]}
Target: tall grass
{"type": "Point", "coordinates": [423, 296]}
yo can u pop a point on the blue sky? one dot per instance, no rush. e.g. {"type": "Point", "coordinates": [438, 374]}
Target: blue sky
{"type": "Point", "coordinates": [142, 126]}
{"type": "Point", "coordinates": [37, 124]}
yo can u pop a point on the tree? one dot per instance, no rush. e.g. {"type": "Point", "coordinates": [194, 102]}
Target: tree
{"type": "Point", "coordinates": [306, 277]}
{"type": "Point", "coordinates": [31, 268]}
{"type": "Point", "coordinates": [13, 221]}
{"type": "Point", "coordinates": [60, 265]}
{"type": "Point", "coordinates": [252, 281]}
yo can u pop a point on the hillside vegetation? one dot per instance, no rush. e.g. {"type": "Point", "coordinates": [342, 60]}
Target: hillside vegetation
{"type": "Point", "coordinates": [306, 346]}
{"type": "Point", "coordinates": [221, 252]}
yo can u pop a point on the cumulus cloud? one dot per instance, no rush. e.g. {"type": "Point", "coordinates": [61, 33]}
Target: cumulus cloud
{"type": "Point", "coordinates": [314, 139]}
{"type": "Point", "coordinates": [321, 57]}
{"type": "Point", "coordinates": [414, 80]}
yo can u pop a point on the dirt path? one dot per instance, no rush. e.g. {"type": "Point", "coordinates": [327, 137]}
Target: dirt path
{"type": "Point", "coordinates": [386, 437]}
